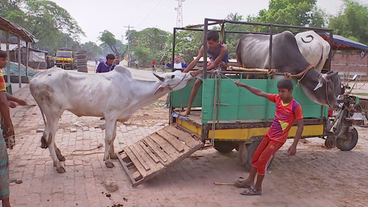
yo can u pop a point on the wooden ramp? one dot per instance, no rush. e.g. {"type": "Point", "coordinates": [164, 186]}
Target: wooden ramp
{"type": "Point", "coordinates": [153, 154]}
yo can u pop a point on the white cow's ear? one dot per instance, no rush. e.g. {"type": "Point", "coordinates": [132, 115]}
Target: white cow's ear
{"type": "Point", "coordinates": [160, 88]}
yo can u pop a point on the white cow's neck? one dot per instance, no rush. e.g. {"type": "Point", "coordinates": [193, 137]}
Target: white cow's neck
{"type": "Point", "coordinates": [146, 93]}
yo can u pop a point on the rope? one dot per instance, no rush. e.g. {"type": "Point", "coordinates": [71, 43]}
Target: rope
{"type": "Point", "coordinates": [213, 112]}
{"type": "Point", "coordinates": [301, 74]}
{"type": "Point", "coordinates": [222, 33]}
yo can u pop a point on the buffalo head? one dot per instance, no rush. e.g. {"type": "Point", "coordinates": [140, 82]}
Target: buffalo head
{"type": "Point", "coordinates": [329, 85]}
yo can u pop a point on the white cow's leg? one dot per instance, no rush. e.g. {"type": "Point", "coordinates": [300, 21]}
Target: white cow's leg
{"type": "Point", "coordinates": [109, 139]}
{"type": "Point", "coordinates": [58, 153]}
{"type": "Point", "coordinates": [112, 153]}
{"type": "Point", "coordinates": [51, 127]}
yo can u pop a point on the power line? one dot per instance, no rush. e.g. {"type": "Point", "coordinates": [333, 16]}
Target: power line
{"type": "Point", "coordinates": [149, 13]}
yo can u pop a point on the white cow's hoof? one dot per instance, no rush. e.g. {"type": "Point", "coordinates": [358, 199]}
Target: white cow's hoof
{"type": "Point", "coordinates": [114, 156]}
{"type": "Point", "coordinates": [109, 164]}
{"type": "Point", "coordinates": [60, 169]}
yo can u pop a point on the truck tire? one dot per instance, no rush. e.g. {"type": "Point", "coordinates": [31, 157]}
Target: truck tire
{"type": "Point", "coordinates": [224, 146]}
{"type": "Point", "coordinates": [250, 148]}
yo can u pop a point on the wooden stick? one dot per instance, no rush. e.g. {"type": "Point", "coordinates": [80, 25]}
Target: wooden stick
{"type": "Point", "coordinates": [218, 183]}
{"type": "Point", "coordinates": [247, 69]}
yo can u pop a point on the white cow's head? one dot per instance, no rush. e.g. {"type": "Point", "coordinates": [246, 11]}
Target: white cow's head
{"type": "Point", "coordinates": [174, 81]}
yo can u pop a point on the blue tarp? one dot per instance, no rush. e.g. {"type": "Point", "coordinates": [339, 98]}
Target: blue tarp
{"type": "Point", "coordinates": [14, 70]}
{"type": "Point", "coordinates": [342, 43]}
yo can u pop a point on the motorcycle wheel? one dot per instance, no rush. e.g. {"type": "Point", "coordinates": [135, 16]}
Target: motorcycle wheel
{"type": "Point", "coordinates": [349, 143]}
{"type": "Point", "coordinates": [330, 142]}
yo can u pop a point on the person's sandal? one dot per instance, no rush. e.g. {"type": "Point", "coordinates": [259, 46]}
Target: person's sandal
{"type": "Point", "coordinates": [241, 184]}
{"type": "Point", "coordinates": [251, 191]}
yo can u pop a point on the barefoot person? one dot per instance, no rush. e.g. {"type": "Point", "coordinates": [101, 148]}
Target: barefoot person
{"type": "Point", "coordinates": [287, 112]}
{"type": "Point", "coordinates": [5, 101]}
{"type": "Point", "coordinates": [219, 58]}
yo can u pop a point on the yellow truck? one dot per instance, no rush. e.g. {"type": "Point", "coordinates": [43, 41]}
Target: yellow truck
{"type": "Point", "coordinates": [65, 59]}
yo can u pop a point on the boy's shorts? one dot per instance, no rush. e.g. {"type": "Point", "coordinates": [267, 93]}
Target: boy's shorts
{"type": "Point", "coordinates": [264, 153]}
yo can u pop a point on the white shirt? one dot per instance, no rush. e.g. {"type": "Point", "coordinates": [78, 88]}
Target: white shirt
{"type": "Point", "coordinates": [178, 66]}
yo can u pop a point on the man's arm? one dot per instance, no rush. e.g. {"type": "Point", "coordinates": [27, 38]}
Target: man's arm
{"type": "Point", "coordinates": [255, 91]}
{"type": "Point", "coordinates": [17, 100]}
{"type": "Point", "coordinates": [215, 63]}
{"type": "Point", "coordinates": [5, 113]}
{"type": "Point", "coordinates": [298, 135]}
{"type": "Point", "coordinates": [98, 70]}
{"type": "Point", "coordinates": [195, 61]}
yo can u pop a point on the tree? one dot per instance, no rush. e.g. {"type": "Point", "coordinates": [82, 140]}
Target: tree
{"type": "Point", "coordinates": [149, 44]}
{"type": "Point", "coordinates": [108, 38]}
{"type": "Point", "coordinates": [290, 12]}
{"type": "Point", "coordinates": [52, 25]}
{"type": "Point", "coordinates": [93, 50]}
{"type": "Point", "coordinates": [351, 21]}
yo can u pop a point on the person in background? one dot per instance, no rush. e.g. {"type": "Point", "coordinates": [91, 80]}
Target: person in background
{"type": "Point", "coordinates": [169, 64]}
{"type": "Point", "coordinates": [117, 61]}
{"type": "Point", "coordinates": [136, 63]}
{"type": "Point", "coordinates": [153, 66]}
{"type": "Point", "coordinates": [6, 100]}
{"type": "Point", "coordinates": [107, 66]}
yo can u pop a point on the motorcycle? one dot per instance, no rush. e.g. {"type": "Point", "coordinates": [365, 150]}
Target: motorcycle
{"type": "Point", "coordinates": [340, 130]}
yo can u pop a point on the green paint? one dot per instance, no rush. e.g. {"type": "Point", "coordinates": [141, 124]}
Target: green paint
{"type": "Point", "coordinates": [239, 103]}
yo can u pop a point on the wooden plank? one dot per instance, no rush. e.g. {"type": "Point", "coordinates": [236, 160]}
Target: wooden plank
{"type": "Point", "coordinates": [178, 145]}
{"type": "Point", "coordinates": [167, 147]}
{"type": "Point", "coordinates": [155, 149]}
{"type": "Point", "coordinates": [132, 176]}
{"type": "Point", "coordinates": [140, 158]}
{"type": "Point", "coordinates": [149, 152]}
{"type": "Point", "coordinates": [151, 163]}
{"type": "Point", "coordinates": [183, 136]}
{"type": "Point", "coordinates": [136, 162]}
{"type": "Point", "coordinates": [136, 175]}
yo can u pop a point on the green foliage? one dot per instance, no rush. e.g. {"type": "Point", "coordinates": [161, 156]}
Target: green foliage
{"type": "Point", "coordinates": [149, 44]}
{"type": "Point", "coordinates": [108, 39]}
{"type": "Point", "coordinates": [351, 21]}
{"type": "Point", "coordinates": [93, 50]}
{"type": "Point", "coordinates": [290, 12]}
{"type": "Point", "coordinates": [52, 25]}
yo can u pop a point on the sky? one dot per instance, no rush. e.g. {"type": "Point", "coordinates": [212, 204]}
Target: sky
{"type": "Point", "coordinates": [95, 16]}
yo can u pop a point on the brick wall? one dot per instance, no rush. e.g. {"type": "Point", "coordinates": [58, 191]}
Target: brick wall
{"type": "Point", "coordinates": [350, 63]}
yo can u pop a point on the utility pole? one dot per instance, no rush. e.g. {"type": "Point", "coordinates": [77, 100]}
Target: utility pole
{"type": "Point", "coordinates": [128, 41]}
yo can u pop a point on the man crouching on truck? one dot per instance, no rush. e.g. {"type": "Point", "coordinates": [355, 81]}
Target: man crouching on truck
{"type": "Point", "coordinates": [287, 112]}
{"type": "Point", "coordinates": [219, 59]}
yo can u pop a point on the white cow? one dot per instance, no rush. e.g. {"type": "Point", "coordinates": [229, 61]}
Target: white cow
{"type": "Point", "coordinates": [115, 95]}
{"type": "Point", "coordinates": [314, 48]}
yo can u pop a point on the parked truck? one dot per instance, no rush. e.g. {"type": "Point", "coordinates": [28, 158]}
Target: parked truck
{"type": "Point", "coordinates": [65, 58]}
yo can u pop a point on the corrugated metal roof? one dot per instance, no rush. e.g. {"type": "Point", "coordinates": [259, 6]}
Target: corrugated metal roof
{"type": "Point", "coordinates": [16, 30]}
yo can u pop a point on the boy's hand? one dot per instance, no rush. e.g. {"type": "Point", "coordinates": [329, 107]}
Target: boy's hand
{"type": "Point", "coordinates": [238, 83]}
{"type": "Point", "coordinates": [12, 104]}
{"type": "Point", "coordinates": [292, 150]}
{"type": "Point", "coordinates": [21, 102]}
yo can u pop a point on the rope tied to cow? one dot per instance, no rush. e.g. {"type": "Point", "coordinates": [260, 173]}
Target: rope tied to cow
{"type": "Point", "coordinates": [300, 75]}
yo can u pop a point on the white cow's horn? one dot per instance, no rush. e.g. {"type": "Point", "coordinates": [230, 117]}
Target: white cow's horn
{"type": "Point", "coordinates": [159, 77]}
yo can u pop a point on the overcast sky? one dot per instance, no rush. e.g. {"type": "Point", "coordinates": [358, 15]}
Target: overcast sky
{"type": "Point", "coordinates": [95, 16]}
